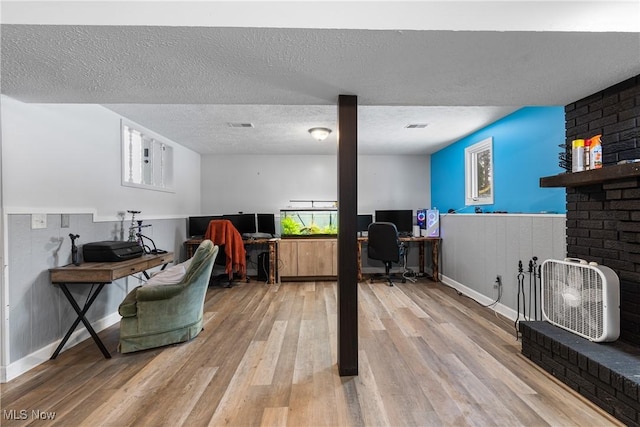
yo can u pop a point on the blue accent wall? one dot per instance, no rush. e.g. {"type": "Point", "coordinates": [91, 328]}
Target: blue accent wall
{"type": "Point", "coordinates": [525, 148]}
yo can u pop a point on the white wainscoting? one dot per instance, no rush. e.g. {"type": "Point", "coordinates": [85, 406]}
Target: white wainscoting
{"type": "Point", "coordinates": [478, 247]}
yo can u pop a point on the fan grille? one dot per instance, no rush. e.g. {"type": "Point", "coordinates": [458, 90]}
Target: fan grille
{"type": "Point", "coordinates": [573, 298]}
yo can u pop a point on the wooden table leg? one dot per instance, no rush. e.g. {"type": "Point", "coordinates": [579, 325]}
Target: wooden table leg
{"type": "Point", "coordinates": [435, 250]}
{"type": "Point", "coordinates": [272, 262]}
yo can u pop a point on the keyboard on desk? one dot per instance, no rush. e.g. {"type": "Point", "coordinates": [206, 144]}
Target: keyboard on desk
{"type": "Point", "coordinates": [258, 235]}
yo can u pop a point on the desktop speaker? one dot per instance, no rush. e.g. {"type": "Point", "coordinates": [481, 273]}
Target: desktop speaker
{"type": "Point", "coordinates": [433, 223]}
{"type": "Point", "coordinates": [421, 218]}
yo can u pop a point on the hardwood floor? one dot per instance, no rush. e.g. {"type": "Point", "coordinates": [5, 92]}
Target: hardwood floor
{"type": "Point", "coordinates": [267, 357]}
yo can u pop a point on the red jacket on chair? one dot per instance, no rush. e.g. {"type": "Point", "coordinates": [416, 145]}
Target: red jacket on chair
{"type": "Point", "coordinates": [222, 232]}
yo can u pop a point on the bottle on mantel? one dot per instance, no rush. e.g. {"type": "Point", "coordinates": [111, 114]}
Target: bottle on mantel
{"type": "Point", "coordinates": [596, 152]}
{"type": "Point", "coordinates": [587, 154]}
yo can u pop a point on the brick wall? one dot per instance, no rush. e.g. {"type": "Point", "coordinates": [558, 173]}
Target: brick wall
{"type": "Point", "coordinates": [603, 220]}
{"type": "Point", "coordinates": [613, 113]}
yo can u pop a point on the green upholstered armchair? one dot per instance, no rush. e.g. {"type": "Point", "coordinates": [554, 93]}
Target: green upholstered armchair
{"type": "Point", "coordinates": [158, 315]}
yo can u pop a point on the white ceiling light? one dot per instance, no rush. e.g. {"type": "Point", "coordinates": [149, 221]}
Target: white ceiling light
{"type": "Point", "coordinates": [320, 134]}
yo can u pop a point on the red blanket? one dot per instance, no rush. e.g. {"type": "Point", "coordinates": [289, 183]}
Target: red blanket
{"type": "Point", "coordinates": [222, 232]}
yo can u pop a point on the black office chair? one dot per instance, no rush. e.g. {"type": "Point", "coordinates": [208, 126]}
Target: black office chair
{"type": "Point", "coordinates": [384, 245]}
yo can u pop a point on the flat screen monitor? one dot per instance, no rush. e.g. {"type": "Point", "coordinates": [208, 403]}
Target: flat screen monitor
{"type": "Point", "coordinates": [402, 218]}
{"type": "Point", "coordinates": [363, 222]}
{"type": "Point", "coordinates": [197, 225]}
{"type": "Point", "coordinates": [267, 224]}
{"type": "Point", "coordinates": [244, 223]}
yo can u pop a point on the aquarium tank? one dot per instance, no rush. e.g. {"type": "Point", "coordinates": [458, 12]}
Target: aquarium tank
{"type": "Point", "coordinates": [308, 222]}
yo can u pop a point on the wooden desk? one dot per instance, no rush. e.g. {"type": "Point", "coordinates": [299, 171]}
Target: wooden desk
{"type": "Point", "coordinates": [99, 273]}
{"type": "Point", "coordinates": [192, 244]}
{"type": "Point", "coordinates": [435, 250]}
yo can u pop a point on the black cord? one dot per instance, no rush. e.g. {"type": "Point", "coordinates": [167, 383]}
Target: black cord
{"type": "Point", "coordinates": [407, 273]}
{"type": "Point", "coordinates": [480, 304]}
{"type": "Point", "coordinates": [495, 302]}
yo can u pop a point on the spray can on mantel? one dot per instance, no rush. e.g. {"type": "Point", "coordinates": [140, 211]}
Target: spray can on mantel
{"type": "Point", "coordinates": [596, 152]}
{"type": "Point", "coordinates": [577, 155]}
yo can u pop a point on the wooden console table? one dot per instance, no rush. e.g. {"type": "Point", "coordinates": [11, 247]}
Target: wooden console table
{"type": "Point", "coordinates": [192, 244]}
{"type": "Point", "coordinates": [98, 273]}
{"type": "Point", "coordinates": [435, 250]}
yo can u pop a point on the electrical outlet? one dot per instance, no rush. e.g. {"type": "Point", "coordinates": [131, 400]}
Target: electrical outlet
{"type": "Point", "coordinates": [498, 282]}
{"type": "Point", "coordinates": [38, 221]}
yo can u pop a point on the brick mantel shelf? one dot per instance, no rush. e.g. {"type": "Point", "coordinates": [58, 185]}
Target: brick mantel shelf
{"type": "Point", "coordinates": [594, 176]}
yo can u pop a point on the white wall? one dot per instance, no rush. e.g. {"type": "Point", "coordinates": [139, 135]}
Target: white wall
{"type": "Point", "coordinates": [266, 184]}
{"type": "Point", "coordinates": [66, 158]}
{"type": "Point", "coordinates": [393, 182]}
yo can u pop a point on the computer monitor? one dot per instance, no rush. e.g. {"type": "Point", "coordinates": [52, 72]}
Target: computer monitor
{"type": "Point", "coordinates": [267, 224]}
{"type": "Point", "coordinates": [244, 223]}
{"type": "Point", "coordinates": [197, 225]}
{"type": "Point", "coordinates": [363, 222]}
{"type": "Point", "coordinates": [402, 218]}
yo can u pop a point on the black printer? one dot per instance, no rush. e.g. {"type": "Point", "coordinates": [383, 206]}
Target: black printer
{"type": "Point", "coordinates": [111, 251]}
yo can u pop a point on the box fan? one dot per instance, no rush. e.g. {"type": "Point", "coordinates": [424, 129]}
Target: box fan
{"type": "Point", "coordinates": [581, 297]}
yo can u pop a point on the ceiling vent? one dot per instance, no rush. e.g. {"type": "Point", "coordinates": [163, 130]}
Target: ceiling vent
{"type": "Point", "coordinates": [240, 125]}
{"type": "Point", "coordinates": [416, 126]}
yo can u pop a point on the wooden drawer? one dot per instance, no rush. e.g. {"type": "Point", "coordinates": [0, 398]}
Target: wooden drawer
{"type": "Point", "coordinates": [80, 275]}
{"type": "Point", "coordinates": [126, 270]}
{"type": "Point", "coordinates": [162, 260]}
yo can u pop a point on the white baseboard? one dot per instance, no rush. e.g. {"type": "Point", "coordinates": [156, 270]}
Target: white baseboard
{"type": "Point", "coordinates": [482, 299]}
{"type": "Point", "coordinates": [19, 367]}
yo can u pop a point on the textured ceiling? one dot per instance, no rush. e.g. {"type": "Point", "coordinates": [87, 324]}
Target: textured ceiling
{"type": "Point", "coordinates": [188, 83]}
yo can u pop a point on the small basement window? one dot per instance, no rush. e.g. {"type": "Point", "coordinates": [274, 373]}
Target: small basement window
{"type": "Point", "coordinates": [479, 173]}
{"type": "Point", "coordinates": [147, 159]}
